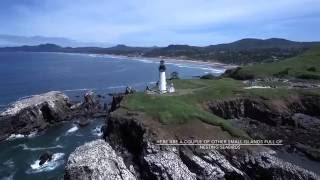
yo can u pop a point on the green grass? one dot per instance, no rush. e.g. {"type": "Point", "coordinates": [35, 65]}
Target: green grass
{"type": "Point", "coordinates": [179, 109]}
{"type": "Point", "coordinates": [304, 66]}
{"type": "Point", "coordinates": [278, 93]}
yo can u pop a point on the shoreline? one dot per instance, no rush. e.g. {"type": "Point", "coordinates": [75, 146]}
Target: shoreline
{"type": "Point", "coordinates": [173, 60]}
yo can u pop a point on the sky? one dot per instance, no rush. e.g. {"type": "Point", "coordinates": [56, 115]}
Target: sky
{"type": "Point", "coordinates": [162, 22]}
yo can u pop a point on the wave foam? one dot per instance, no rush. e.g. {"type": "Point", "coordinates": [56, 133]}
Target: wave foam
{"type": "Point", "coordinates": [97, 131]}
{"type": "Point", "coordinates": [206, 68]}
{"type": "Point", "coordinates": [19, 136]}
{"type": "Point", "coordinates": [32, 134]}
{"type": "Point", "coordinates": [73, 129]}
{"type": "Point", "coordinates": [58, 138]}
{"type": "Point", "coordinates": [74, 90]}
{"type": "Point", "coordinates": [25, 147]}
{"type": "Point", "coordinates": [9, 163]}
{"type": "Point", "coordinates": [57, 160]}
{"type": "Point", "coordinates": [10, 177]}
{"type": "Point", "coordinates": [15, 136]}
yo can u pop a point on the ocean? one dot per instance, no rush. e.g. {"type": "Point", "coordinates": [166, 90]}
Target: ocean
{"type": "Point", "coordinates": [24, 73]}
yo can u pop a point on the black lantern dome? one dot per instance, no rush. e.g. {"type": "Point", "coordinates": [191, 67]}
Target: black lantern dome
{"type": "Point", "coordinates": [162, 67]}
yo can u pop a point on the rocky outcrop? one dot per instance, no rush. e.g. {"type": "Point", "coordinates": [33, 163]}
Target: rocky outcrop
{"type": "Point", "coordinates": [294, 120]}
{"type": "Point", "coordinates": [90, 107]}
{"type": "Point", "coordinates": [47, 156]}
{"type": "Point", "coordinates": [115, 104]}
{"type": "Point", "coordinates": [96, 160]}
{"type": "Point", "coordinates": [256, 163]}
{"type": "Point", "coordinates": [167, 165]}
{"type": "Point", "coordinates": [272, 112]}
{"type": "Point", "coordinates": [36, 113]}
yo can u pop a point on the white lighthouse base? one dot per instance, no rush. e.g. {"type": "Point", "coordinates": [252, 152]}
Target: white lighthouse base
{"type": "Point", "coordinates": [163, 83]}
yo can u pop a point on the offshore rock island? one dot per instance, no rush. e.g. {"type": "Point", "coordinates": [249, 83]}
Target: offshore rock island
{"type": "Point", "coordinates": [36, 113]}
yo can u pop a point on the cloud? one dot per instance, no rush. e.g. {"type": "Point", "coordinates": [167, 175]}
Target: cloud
{"type": "Point", "coordinates": [161, 22]}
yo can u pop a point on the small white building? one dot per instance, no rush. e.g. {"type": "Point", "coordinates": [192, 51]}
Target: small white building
{"type": "Point", "coordinates": [171, 88]}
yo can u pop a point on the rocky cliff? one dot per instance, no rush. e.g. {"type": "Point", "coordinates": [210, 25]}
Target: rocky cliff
{"type": "Point", "coordinates": [295, 120]}
{"type": "Point", "coordinates": [36, 113]}
{"type": "Point", "coordinates": [132, 135]}
{"type": "Point", "coordinates": [96, 160]}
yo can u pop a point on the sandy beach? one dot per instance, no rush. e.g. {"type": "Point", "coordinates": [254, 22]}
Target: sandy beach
{"type": "Point", "coordinates": [175, 61]}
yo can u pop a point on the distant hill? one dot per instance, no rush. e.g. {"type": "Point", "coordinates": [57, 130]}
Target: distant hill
{"type": "Point", "coordinates": [118, 50]}
{"type": "Point", "coordinates": [304, 66]}
{"type": "Point", "coordinates": [245, 51]}
{"type": "Point", "coordinates": [13, 40]}
{"type": "Point", "coordinates": [127, 50]}
{"type": "Point", "coordinates": [254, 44]}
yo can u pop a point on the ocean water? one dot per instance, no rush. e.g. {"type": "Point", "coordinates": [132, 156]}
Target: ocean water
{"type": "Point", "coordinates": [23, 74]}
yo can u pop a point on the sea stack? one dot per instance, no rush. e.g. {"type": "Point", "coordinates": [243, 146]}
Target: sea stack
{"type": "Point", "coordinates": [162, 77]}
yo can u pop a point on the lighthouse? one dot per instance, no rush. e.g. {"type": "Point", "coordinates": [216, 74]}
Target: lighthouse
{"type": "Point", "coordinates": [162, 77]}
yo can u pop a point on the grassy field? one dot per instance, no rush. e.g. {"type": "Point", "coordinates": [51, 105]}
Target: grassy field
{"type": "Point", "coordinates": [304, 66]}
{"type": "Point", "coordinates": [181, 108]}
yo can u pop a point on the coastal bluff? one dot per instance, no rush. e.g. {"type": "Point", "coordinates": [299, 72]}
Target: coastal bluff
{"type": "Point", "coordinates": [130, 138]}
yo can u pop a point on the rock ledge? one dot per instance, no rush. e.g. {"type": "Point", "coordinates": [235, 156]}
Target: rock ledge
{"type": "Point", "coordinates": [96, 160]}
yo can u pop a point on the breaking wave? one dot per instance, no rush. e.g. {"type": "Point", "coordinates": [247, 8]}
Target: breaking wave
{"type": "Point", "coordinates": [74, 90]}
{"type": "Point", "coordinates": [73, 129]}
{"type": "Point", "coordinates": [207, 68]}
{"type": "Point", "coordinates": [15, 136]}
{"type": "Point", "coordinates": [57, 160]}
{"type": "Point", "coordinates": [97, 131]}
{"type": "Point", "coordinates": [19, 136]}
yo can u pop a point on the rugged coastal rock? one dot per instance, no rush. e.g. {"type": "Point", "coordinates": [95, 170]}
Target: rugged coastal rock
{"type": "Point", "coordinates": [273, 112]}
{"type": "Point", "coordinates": [130, 136]}
{"type": "Point", "coordinates": [96, 160]}
{"type": "Point", "coordinates": [133, 137]}
{"type": "Point", "coordinates": [47, 156]}
{"type": "Point", "coordinates": [36, 113]}
{"type": "Point", "coordinates": [294, 120]}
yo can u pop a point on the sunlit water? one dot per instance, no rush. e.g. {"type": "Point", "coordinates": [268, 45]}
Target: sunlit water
{"type": "Point", "coordinates": [24, 74]}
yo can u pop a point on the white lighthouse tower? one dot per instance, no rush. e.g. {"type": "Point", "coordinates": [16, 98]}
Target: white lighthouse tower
{"type": "Point", "coordinates": [162, 77]}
